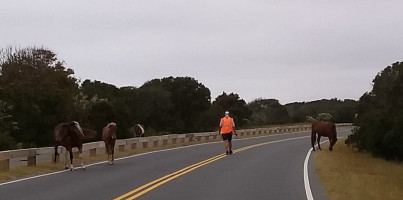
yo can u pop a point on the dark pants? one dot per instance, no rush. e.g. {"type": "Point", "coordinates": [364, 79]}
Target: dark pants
{"type": "Point", "coordinates": [227, 136]}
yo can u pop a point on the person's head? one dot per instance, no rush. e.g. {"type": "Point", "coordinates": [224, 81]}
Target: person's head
{"type": "Point", "coordinates": [226, 113]}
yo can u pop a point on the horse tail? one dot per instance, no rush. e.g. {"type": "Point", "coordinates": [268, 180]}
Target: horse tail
{"type": "Point", "coordinates": [313, 139]}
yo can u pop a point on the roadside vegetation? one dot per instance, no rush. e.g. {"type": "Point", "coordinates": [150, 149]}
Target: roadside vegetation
{"type": "Point", "coordinates": [379, 122]}
{"type": "Point", "coordinates": [38, 90]}
{"type": "Point", "coordinates": [347, 173]}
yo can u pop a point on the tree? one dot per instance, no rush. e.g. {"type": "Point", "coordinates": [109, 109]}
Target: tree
{"type": "Point", "coordinates": [154, 110]}
{"type": "Point", "coordinates": [268, 111]}
{"type": "Point", "coordinates": [380, 116]}
{"type": "Point", "coordinates": [37, 83]}
{"type": "Point", "coordinates": [99, 89]}
{"type": "Point", "coordinates": [321, 117]}
{"type": "Point", "coordinates": [342, 111]}
{"type": "Point", "coordinates": [235, 105]}
{"type": "Point", "coordinates": [7, 126]}
{"type": "Point", "coordinates": [188, 98]}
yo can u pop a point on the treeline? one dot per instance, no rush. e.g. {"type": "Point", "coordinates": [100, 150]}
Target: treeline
{"type": "Point", "coordinates": [38, 91]}
{"type": "Point", "coordinates": [380, 116]}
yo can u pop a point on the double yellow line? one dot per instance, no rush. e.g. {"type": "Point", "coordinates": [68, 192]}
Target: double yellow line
{"type": "Point", "coordinates": [156, 183]}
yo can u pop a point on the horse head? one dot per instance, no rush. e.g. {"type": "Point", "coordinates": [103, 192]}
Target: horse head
{"type": "Point", "coordinates": [333, 137]}
{"type": "Point", "coordinates": [111, 128]}
{"type": "Point", "coordinates": [76, 128]}
{"type": "Point", "coordinates": [139, 130]}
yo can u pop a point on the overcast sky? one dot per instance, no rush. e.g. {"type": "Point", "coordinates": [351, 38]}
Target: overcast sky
{"type": "Point", "coordinates": [290, 50]}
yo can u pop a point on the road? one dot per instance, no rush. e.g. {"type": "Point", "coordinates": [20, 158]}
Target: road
{"type": "Point", "coordinates": [269, 167]}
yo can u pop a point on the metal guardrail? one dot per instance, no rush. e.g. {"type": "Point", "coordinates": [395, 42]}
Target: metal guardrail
{"type": "Point", "coordinates": [30, 157]}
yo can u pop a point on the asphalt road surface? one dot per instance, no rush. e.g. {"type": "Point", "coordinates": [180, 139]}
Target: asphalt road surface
{"type": "Point", "coordinates": [269, 167]}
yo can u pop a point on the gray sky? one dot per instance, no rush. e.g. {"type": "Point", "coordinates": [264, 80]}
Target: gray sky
{"type": "Point", "coordinates": [293, 51]}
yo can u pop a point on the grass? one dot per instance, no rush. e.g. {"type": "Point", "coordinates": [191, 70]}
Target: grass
{"type": "Point", "coordinates": [348, 174]}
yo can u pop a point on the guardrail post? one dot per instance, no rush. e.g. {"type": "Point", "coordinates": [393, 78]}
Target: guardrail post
{"type": "Point", "coordinates": [133, 145]}
{"type": "Point", "coordinates": [145, 144]}
{"type": "Point", "coordinates": [5, 165]}
{"type": "Point", "coordinates": [93, 152]}
{"type": "Point", "coordinates": [31, 160]}
{"type": "Point", "coordinates": [190, 137]}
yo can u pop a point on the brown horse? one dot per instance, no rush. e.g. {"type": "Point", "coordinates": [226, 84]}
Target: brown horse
{"type": "Point", "coordinates": [109, 137]}
{"type": "Point", "coordinates": [322, 128]}
{"type": "Point", "coordinates": [139, 130]}
{"type": "Point", "coordinates": [70, 135]}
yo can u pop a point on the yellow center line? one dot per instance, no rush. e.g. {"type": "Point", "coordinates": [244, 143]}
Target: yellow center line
{"type": "Point", "coordinates": [171, 178]}
{"type": "Point", "coordinates": [167, 176]}
{"type": "Point", "coordinates": [158, 182]}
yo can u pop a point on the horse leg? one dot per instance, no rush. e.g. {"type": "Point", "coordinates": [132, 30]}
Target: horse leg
{"type": "Point", "coordinates": [56, 153]}
{"type": "Point", "coordinates": [66, 166]}
{"type": "Point", "coordinates": [319, 142]}
{"type": "Point", "coordinates": [113, 152]}
{"type": "Point", "coordinates": [108, 150]}
{"type": "Point", "coordinates": [331, 144]}
{"type": "Point", "coordinates": [80, 155]}
{"type": "Point", "coordinates": [71, 160]}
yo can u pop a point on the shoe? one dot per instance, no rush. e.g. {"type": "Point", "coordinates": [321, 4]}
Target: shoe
{"type": "Point", "coordinates": [226, 153]}
{"type": "Point", "coordinates": [230, 152]}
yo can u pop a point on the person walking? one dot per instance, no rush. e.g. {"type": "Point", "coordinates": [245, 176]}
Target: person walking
{"type": "Point", "coordinates": [227, 129]}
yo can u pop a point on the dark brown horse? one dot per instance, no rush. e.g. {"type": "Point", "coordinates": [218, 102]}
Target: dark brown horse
{"type": "Point", "coordinates": [139, 130]}
{"type": "Point", "coordinates": [322, 128]}
{"type": "Point", "coordinates": [109, 137]}
{"type": "Point", "coordinates": [70, 135]}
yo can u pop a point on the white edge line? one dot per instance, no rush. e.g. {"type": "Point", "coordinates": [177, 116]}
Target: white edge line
{"type": "Point", "coordinates": [308, 190]}
{"type": "Point", "coordinates": [145, 153]}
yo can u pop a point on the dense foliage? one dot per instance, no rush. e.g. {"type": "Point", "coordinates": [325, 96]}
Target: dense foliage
{"type": "Point", "coordinates": [380, 116]}
{"type": "Point", "coordinates": [38, 91]}
{"type": "Point", "coordinates": [268, 111]}
{"type": "Point", "coordinates": [7, 126]}
{"type": "Point", "coordinates": [342, 111]}
{"type": "Point", "coordinates": [41, 90]}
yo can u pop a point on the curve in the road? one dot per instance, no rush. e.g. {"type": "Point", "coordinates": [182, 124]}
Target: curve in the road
{"type": "Point", "coordinates": [137, 192]}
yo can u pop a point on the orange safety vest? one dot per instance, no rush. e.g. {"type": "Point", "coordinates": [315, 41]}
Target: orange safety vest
{"type": "Point", "coordinates": [226, 125]}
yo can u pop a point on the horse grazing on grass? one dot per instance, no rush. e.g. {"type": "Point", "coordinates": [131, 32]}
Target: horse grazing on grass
{"type": "Point", "coordinates": [70, 135]}
{"type": "Point", "coordinates": [322, 128]}
{"type": "Point", "coordinates": [139, 130]}
{"type": "Point", "coordinates": [109, 137]}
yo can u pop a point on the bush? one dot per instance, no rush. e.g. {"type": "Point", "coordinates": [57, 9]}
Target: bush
{"type": "Point", "coordinates": [380, 116]}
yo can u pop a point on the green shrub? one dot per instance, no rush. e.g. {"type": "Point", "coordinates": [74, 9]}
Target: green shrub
{"type": "Point", "coordinates": [380, 116]}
